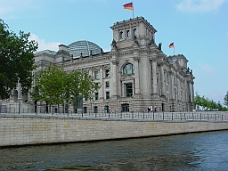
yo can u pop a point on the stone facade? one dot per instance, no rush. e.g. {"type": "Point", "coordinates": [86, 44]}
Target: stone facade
{"type": "Point", "coordinates": [135, 74]}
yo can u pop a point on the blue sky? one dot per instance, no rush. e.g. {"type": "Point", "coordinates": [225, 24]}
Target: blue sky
{"type": "Point", "coordinates": [198, 28]}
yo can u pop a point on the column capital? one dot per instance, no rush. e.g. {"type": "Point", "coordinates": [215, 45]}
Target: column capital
{"type": "Point", "coordinates": [136, 58]}
{"type": "Point", "coordinates": [153, 58]}
{"type": "Point", "coordinates": [114, 62]}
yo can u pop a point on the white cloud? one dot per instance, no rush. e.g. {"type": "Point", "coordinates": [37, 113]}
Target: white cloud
{"type": "Point", "coordinates": [200, 5]}
{"type": "Point", "coordinates": [10, 8]}
{"type": "Point", "coordinates": [43, 45]}
{"type": "Point", "coordinates": [107, 49]}
{"type": "Point", "coordinates": [207, 68]}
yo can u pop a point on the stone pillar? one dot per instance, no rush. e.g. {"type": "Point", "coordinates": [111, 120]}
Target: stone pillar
{"type": "Point", "coordinates": [170, 85]}
{"type": "Point", "coordinates": [19, 91]}
{"type": "Point", "coordinates": [137, 77]}
{"type": "Point", "coordinates": [114, 79]}
{"type": "Point", "coordinates": [90, 72]}
{"type": "Point", "coordinates": [173, 85]}
{"type": "Point", "coordinates": [191, 91]}
{"type": "Point", "coordinates": [154, 76]}
{"type": "Point", "coordinates": [101, 91]}
{"type": "Point", "coordinates": [145, 74]}
{"type": "Point", "coordinates": [162, 81]}
{"type": "Point", "coordinates": [19, 99]}
{"type": "Point", "coordinates": [178, 88]}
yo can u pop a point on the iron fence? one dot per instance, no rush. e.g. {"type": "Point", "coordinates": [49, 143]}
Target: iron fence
{"type": "Point", "coordinates": [136, 116]}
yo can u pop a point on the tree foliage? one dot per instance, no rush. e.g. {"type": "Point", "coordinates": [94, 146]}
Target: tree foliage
{"type": "Point", "coordinates": [226, 99]}
{"type": "Point", "coordinates": [207, 104]}
{"type": "Point", "coordinates": [55, 86]}
{"type": "Point", "coordinates": [16, 60]}
{"type": "Point", "coordinates": [50, 86]}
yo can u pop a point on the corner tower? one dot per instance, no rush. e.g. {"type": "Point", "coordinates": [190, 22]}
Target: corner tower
{"type": "Point", "coordinates": [136, 31]}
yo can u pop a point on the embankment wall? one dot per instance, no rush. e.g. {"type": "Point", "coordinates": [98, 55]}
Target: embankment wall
{"type": "Point", "coordinates": [31, 131]}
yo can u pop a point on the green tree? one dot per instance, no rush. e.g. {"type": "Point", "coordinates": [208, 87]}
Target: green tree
{"type": "Point", "coordinates": [78, 85]}
{"type": "Point", "coordinates": [50, 86]}
{"type": "Point", "coordinates": [90, 88]}
{"type": "Point", "coordinates": [208, 104]}
{"type": "Point", "coordinates": [197, 100]}
{"type": "Point", "coordinates": [226, 99]}
{"type": "Point", "coordinates": [213, 105]}
{"type": "Point", "coordinates": [55, 86]}
{"type": "Point", "coordinates": [219, 106]}
{"type": "Point", "coordinates": [16, 60]}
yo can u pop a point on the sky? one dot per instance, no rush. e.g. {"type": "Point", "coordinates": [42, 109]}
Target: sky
{"type": "Point", "coordinates": [198, 28]}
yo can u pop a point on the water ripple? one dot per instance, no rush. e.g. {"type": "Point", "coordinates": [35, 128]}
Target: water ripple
{"type": "Point", "coordinates": [203, 151]}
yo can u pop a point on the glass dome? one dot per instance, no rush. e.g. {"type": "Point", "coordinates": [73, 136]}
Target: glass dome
{"type": "Point", "coordinates": [85, 47]}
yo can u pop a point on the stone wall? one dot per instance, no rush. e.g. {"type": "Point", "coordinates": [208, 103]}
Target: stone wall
{"type": "Point", "coordinates": [26, 131]}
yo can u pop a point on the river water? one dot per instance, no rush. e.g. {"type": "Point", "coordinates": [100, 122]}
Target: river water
{"type": "Point", "coordinates": [200, 151]}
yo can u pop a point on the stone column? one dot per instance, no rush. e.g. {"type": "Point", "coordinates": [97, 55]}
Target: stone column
{"type": "Point", "coordinates": [154, 76]}
{"type": "Point", "coordinates": [191, 91]}
{"type": "Point", "coordinates": [90, 72]}
{"type": "Point", "coordinates": [19, 91]}
{"type": "Point", "coordinates": [137, 77]}
{"type": "Point", "coordinates": [173, 85]}
{"type": "Point", "coordinates": [101, 91]}
{"type": "Point", "coordinates": [114, 79]}
{"type": "Point", "coordinates": [162, 81]}
{"type": "Point", "coordinates": [19, 99]}
{"type": "Point", "coordinates": [178, 88]}
{"type": "Point", "coordinates": [170, 85]}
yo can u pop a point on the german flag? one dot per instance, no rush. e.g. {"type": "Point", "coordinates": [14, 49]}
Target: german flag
{"type": "Point", "coordinates": [128, 6]}
{"type": "Point", "coordinates": [171, 45]}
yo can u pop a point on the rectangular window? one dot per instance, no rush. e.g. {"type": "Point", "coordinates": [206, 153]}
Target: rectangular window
{"type": "Point", "coordinates": [85, 109]}
{"type": "Point", "coordinates": [95, 109]}
{"type": "Point", "coordinates": [107, 84]}
{"type": "Point", "coordinates": [96, 75]}
{"type": "Point", "coordinates": [106, 73]}
{"type": "Point", "coordinates": [96, 96]}
{"type": "Point", "coordinates": [129, 90]}
{"type": "Point", "coordinates": [86, 99]}
{"type": "Point", "coordinates": [107, 95]}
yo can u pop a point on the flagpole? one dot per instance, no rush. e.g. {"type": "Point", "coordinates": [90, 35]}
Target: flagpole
{"type": "Point", "coordinates": [133, 9]}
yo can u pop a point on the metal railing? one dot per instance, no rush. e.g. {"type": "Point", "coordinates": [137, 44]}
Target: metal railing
{"type": "Point", "coordinates": [135, 116]}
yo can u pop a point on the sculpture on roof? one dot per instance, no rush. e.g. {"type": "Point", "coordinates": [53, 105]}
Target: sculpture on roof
{"type": "Point", "coordinates": [159, 46]}
{"type": "Point", "coordinates": [114, 44]}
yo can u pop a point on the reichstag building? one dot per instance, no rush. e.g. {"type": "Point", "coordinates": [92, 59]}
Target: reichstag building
{"type": "Point", "coordinates": [134, 74]}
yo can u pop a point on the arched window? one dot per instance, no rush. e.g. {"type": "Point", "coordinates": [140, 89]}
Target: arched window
{"type": "Point", "coordinates": [128, 69]}
{"type": "Point", "coordinates": [121, 35]}
{"type": "Point", "coordinates": [135, 32]}
{"type": "Point", "coordinates": [128, 33]}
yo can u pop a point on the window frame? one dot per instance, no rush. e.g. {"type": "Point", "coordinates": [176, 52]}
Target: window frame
{"type": "Point", "coordinates": [107, 84]}
{"type": "Point", "coordinates": [128, 69]}
{"type": "Point", "coordinates": [107, 94]}
{"type": "Point", "coordinates": [96, 74]}
{"type": "Point", "coordinates": [107, 73]}
{"type": "Point", "coordinates": [121, 34]}
{"type": "Point", "coordinates": [96, 96]}
{"type": "Point", "coordinates": [128, 33]}
{"type": "Point", "coordinates": [126, 89]}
